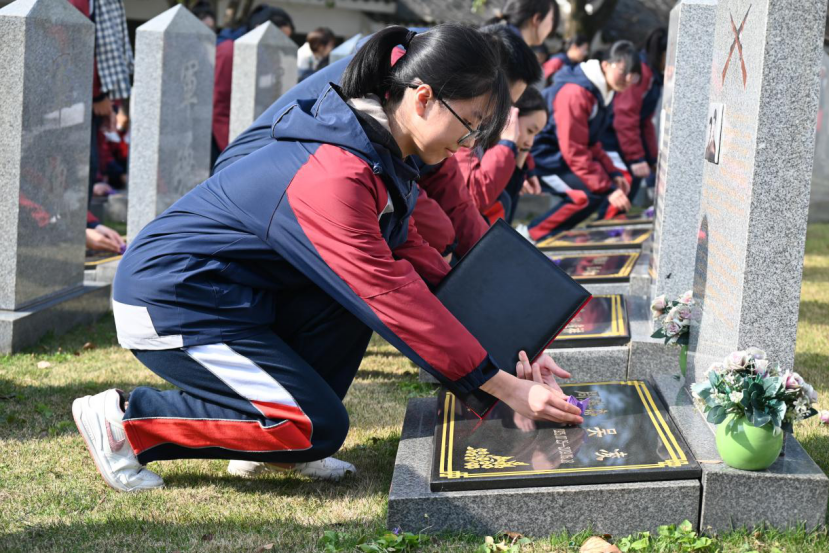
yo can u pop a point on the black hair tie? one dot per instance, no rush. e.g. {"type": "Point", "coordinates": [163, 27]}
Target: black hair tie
{"type": "Point", "coordinates": [409, 36]}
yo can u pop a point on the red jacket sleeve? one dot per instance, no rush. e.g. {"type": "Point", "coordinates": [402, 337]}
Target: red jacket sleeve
{"type": "Point", "coordinates": [601, 156]}
{"type": "Point", "coordinates": [551, 66]}
{"type": "Point", "coordinates": [222, 82]}
{"type": "Point", "coordinates": [425, 259]}
{"type": "Point", "coordinates": [627, 116]}
{"type": "Point", "coordinates": [433, 224]}
{"type": "Point", "coordinates": [488, 176]}
{"type": "Point", "coordinates": [83, 7]}
{"type": "Point", "coordinates": [338, 213]}
{"type": "Point", "coordinates": [447, 187]}
{"type": "Point", "coordinates": [572, 107]}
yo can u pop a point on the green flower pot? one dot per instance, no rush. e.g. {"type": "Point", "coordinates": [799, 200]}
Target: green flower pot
{"type": "Point", "coordinates": [747, 447]}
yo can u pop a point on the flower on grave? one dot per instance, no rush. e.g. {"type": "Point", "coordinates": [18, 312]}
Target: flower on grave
{"type": "Point", "coordinates": [687, 298]}
{"type": "Point", "coordinates": [824, 417]}
{"type": "Point", "coordinates": [658, 306]}
{"type": "Point", "coordinates": [746, 384]}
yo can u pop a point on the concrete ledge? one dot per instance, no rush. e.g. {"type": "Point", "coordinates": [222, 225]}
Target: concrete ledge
{"type": "Point", "coordinates": [617, 509]}
{"type": "Point", "coordinates": [102, 273]}
{"type": "Point", "coordinates": [21, 329]}
{"type": "Point", "coordinates": [792, 491]}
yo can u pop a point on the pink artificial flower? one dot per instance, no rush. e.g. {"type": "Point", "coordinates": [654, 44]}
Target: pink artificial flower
{"type": "Point", "coordinates": [659, 304]}
{"type": "Point", "coordinates": [791, 382]}
{"type": "Point", "coordinates": [687, 297]}
{"type": "Point", "coordinates": [684, 313]}
{"type": "Point", "coordinates": [824, 417]}
{"type": "Point", "coordinates": [672, 328]}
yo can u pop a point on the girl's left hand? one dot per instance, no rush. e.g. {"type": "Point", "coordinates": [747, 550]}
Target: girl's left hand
{"type": "Point", "coordinates": [544, 370]}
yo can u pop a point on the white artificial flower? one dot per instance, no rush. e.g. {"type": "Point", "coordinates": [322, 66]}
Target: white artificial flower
{"type": "Point", "coordinates": [735, 396]}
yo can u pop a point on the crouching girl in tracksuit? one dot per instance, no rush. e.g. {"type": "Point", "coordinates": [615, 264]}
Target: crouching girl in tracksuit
{"type": "Point", "coordinates": [257, 292]}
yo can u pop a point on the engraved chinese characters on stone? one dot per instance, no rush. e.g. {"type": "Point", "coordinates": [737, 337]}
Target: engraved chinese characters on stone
{"type": "Point", "coordinates": [597, 432]}
{"type": "Point", "coordinates": [603, 454]}
{"type": "Point", "coordinates": [480, 458]}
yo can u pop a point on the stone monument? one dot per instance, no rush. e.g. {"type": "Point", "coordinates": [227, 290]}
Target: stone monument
{"type": "Point", "coordinates": [172, 109]}
{"type": "Point", "coordinates": [681, 146]}
{"type": "Point", "coordinates": [45, 114]}
{"type": "Point", "coordinates": [264, 68]}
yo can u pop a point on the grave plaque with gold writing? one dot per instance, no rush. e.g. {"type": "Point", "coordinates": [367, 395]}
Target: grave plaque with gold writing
{"type": "Point", "coordinates": [627, 436]}
{"type": "Point", "coordinates": [602, 322]}
{"type": "Point", "coordinates": [588, 269]}
{"type": "Point", "coordinates": [597, 239]}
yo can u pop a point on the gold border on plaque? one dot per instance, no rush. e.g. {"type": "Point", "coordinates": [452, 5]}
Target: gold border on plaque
{"type": "Point", "coordinates": [617, 321]}
{"type": "Point", "coordinates": [601, 223]}
{"type": "Point", "coordinates": [553, 242]}
{"type": "Point", "coordinates": [623, 272]}
{"type": "Point", "coordinates": [105, 260]}
{"type": "Point", "coordinates": [678, 457]}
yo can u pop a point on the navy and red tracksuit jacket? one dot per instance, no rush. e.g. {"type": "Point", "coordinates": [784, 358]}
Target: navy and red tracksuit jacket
{"type": "Point", "coordinates": [321, 204]}
{"type": "Point", "coordinates": [554, 64]}
{"type": "Point", "coordinates": [222, 84]}
{"type": "Point", "coordinates": [446, 216]}
{"type": "Point", "coordinates": [632, 133]}
{"type": "Point", "coordinates": [571, 140]}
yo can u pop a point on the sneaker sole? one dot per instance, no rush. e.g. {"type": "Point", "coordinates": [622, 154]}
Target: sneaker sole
{"type": "Point", "coordinates": [77, 411]}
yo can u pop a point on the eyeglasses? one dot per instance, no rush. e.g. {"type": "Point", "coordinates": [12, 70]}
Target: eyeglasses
{"type": "Point", "coordinates": [473, 134]}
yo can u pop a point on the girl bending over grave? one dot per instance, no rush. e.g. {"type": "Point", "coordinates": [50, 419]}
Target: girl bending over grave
{"type": "Point", "coordinates": [256, 293]}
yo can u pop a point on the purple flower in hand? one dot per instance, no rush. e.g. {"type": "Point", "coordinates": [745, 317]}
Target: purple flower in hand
{"type": "Point", "coordinates": [581, 404]}
{"type": "Point", "coordinates": [123, 248]}
{"type": "Point", "coordinates": [649, 213]}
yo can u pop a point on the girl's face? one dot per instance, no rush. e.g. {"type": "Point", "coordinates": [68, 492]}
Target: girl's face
{"type": "Point", "coordinates": [543, 28]}
{"type": "Point", "coordinates": [431, 126]}
{"type": "Point", "coordinates": [529, 126]}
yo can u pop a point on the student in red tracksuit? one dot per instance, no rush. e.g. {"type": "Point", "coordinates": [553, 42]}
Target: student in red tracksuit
{"type": "Point", "coordinates": [484, 175]}
{"type": "Point", "coordinates": [532, 117]}
{"type": "Point", "coordinates": [632, 133]}
{"type": "Point", "coordinates": [568, 152]}
{"type": "Point", "coordinates": [257, 292]}
{"type": "Point", "coordinates": [575, 52]}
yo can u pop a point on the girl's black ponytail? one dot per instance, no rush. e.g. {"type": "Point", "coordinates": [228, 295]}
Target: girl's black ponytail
{"type": "Point", "coordinates": [457, 61]}
{"type": "Point", "coordinates": [369, 72]}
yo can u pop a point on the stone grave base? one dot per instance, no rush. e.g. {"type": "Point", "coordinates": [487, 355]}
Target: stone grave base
{"type": "Point", "coordinates": [103, 273]}
{"type": "Point", "coordinates": [617, 509]}
{"type": "Point", "coordinates": [792, 491]}
{"type": "Point", "coordinates": [20, 329]}
{"type": "Point", "coordinates": [638, 285]}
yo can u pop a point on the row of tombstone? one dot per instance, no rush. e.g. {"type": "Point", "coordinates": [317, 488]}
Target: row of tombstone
{"type": "Point", "coordinates": [737, 148]}
{"type": "Point", "coordinates": [46, 59]}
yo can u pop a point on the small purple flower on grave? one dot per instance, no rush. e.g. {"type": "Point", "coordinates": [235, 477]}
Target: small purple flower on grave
{"type": "Point", "coordinates": [581, 404]}
{"type": "Point", "coordinates": [824, 417]}
{"type": "Point", "coordinates": [649, 213]}
{"type": "Point", "coordinates": [684, 313]}
{"type": "Point", "coordinates": [615, 232]}
{"type": "Point", "coordinates": [123, 248]}
{"type": "Point", "coordinates": [557, 260]}
{"type": "Point", "coordinates": [396, 531]}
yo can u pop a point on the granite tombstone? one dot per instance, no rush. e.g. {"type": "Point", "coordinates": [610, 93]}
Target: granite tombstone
{"type": "Point", "coordinates": [682, 142]}
{"type": "Point", "coordinates": [46, 57]}
{"type": "Point", "coordinates": [172, 109]}
{"type": "Point", "coordinates": [264, 68]}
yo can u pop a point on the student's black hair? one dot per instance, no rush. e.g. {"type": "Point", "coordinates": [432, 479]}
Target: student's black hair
{"type": "Point", "coordinates": [455, 60]}
{"type": "Point", "coordinates": [203, 10]}
{"type": "Point", "coordinates": [576, 40]}
{"type": "Point", "coordinates": [531, 101]}
{"type": "Point", "coordinates": [263, 13]}
{"type": "Point", "coordinates": [517, 59]}
{"type": "Point", "coordinates": [624, 51]}
{"type": "Point", "coordinates": [520, 12]}
{"type": "Point", "coordinates": [655, 46]}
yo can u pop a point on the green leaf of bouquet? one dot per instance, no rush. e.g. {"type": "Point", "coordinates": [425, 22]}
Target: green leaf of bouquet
{"type": "Point", "coordinates": [760, 419]}
{"type": "Point", "coordinates": [772, 386]}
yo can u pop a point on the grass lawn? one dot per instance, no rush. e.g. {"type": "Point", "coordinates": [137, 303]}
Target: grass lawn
{"type": "Point", "coordinates": [52, 498]}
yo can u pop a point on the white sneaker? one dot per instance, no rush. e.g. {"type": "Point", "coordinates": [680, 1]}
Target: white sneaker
{"type": "Point", "coordinates": [330, 469]}
{"type": "Point", "coordinates": [99, 420]}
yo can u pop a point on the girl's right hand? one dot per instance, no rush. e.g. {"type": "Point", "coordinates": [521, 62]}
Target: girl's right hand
{"type": "Point", "coordinates": [512, 131]}
{"type": "Point", "coordinates": [532, 399]}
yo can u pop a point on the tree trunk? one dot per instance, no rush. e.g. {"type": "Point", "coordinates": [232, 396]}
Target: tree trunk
{"type": "Point", "coordinates": [580, 22]}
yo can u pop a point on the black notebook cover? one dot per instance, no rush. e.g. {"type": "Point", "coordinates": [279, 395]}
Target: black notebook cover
{"type": "Point", "coordinates": [511, 297]}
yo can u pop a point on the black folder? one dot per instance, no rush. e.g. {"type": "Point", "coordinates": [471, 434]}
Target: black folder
{"type": "Point", "coordinates": [511, 297]}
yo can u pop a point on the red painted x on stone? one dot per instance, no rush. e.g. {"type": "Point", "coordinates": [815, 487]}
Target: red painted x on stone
{"type": "Point", "coordinates": [738, 45]}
